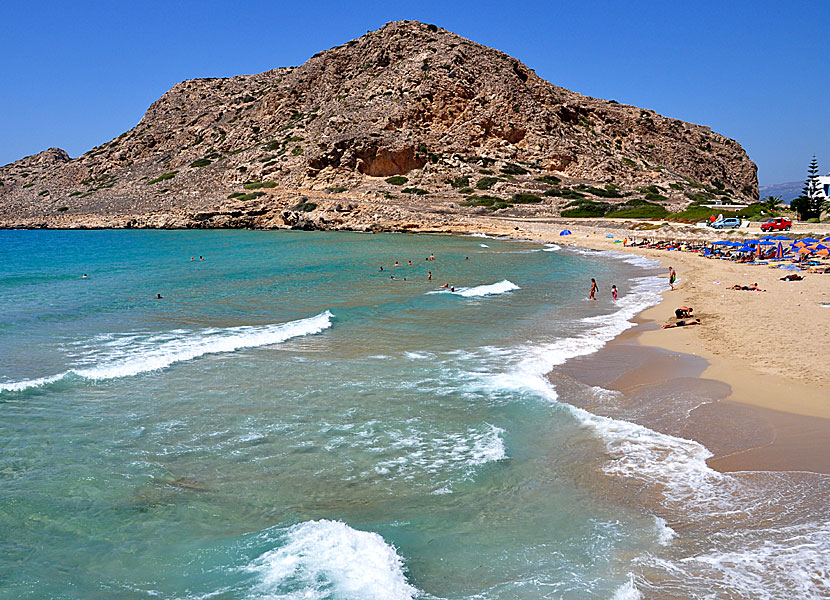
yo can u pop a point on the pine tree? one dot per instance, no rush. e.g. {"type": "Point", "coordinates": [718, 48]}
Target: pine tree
{"type": "Point", "coordinates": [811, 201]}
{"type": "Point", "coordinates": [811, 188]}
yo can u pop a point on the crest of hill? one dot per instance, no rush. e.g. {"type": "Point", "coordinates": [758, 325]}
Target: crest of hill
{"type": "Point", "coordinates": [410, 100]}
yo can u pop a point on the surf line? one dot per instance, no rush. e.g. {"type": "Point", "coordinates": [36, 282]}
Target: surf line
{"type": "Point", "coordinates": [152, 355]}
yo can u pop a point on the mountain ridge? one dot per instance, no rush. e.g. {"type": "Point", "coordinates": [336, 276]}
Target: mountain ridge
{"type": "Point", "coordinates": [409, 100]}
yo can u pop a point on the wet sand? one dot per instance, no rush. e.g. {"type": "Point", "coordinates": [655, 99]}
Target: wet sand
{"type": "Point", "coordinates": [765, 347]}
{"type": "Point", "coordinates": [667, 391]}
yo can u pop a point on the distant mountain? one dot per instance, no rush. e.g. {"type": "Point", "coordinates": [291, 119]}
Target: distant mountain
{"type": "Point", "coordinates": [409, 115]}
{"type": "Point", "coordinates": [787, 191]}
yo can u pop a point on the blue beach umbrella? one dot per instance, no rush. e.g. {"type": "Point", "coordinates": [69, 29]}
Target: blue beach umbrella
{"type": "Point", "coordinates": [750, 242]}
{"type": "Point", "coordinates": [745, 249]}
{"type": "Point", "coordinates": [783, 238]}
{"type": "Point", "coordinates": [565, 232]}
{"type": "Point", "coordinates": [827, 239]}
{"type": "Point", "coordinates": [809, 240]}
{"type": "Point", "coordinates": [766, 243]}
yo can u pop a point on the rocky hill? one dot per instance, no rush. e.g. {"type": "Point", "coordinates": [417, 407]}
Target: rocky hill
{"type": "Point", "coordinates": [407, 119]}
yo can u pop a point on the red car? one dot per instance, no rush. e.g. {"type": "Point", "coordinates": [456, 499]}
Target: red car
{"type": "Point", "coordinates": [778, 224]}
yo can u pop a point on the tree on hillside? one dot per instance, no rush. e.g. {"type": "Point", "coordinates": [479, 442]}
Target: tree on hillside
{"type": "Point", "coordinates": [809, 204]}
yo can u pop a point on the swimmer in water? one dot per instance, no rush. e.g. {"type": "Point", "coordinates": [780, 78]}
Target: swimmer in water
{"type": "Point", "coordinates": [429, 275]}
{"type": "Point", "coordinates": [381, 269]}
{"type": "Point", "coordinates": [452, 289]}
{"type": "Point", "coordinates": [83, 276]}
{"type": "Point", "coordinates": [446, 285]}
{"type": "Point", "coordinates": [158, 296]}
{"type": "Point", "coordinates": [396, 263]}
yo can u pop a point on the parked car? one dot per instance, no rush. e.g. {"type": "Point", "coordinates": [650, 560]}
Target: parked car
{"type": "Point", "coordinates": [777, 224]}
{"type": "Point", "coordinates": [730, 223]}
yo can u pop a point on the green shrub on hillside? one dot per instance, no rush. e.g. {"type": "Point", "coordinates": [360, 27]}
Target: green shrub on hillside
{"type": "Point", "coordinates": [491, 202]}
{"type": "Point", "coordinates": [414, 190]}
{"type": "Point", "coordinates": [638, 209]}
{"type": "Point", "coordinates": [551, 179]}
{"type": "Point", "coordinates": [511, 169]}
{"type": "Point", "coordinates": [612, 192]}
{"type": "Point", "coordinates": [202, 162]}
{"type": "Point", "coordinates": [460, 182]}
{"type": "Point", "coordinates": [564, 192]}
{"type": "Point", "coordinates": [526, 198]}
{"type": "Point", "coordinates": [586, 208]}
{"type": "Point", "coordinates": [397, 180]}
{"type": "Point", "coordinates": [163, 177]}
{"type": "Point", "coordinates": [255, 185]}
{"type": "Point", "coordinates": [485, 183]}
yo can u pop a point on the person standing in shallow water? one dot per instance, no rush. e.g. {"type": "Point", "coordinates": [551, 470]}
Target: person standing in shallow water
{"type": "Point", "coordinates": [672, 277]}
{"type": "Point", "coordinates": [614, 292]}
{"type": "Point", "coordinates": [592, 295]}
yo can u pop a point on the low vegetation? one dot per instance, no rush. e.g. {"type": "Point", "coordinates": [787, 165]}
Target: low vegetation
{"type": "Point", "coordinates": [255, 185]}
{"type": "Point", "coordinates": [163, 177]}
{"type": "Point", "coordinates": [414, 190]}
{"type": "Point", "coordinates": [202, 162]}
{"type": "Point", "coordinates": [397, 180]}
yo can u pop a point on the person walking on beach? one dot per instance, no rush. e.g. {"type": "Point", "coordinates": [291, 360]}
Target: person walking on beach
{"type": "Point", "coordinates": [592, 295]}
{"type": "Point", "coordinates": [614, 292]}
{"type": "Point", "coordinates": [672, 277]}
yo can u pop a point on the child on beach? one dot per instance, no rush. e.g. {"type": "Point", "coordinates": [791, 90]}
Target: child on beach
{"type": "Point", "coordinates": [592, 295]}
{"type": "Point", "coordinates": [614, 292]}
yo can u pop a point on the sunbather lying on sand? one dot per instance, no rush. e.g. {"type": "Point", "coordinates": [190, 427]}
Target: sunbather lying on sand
{"type": "Point", "coordinates": [681, 324]}
{"type": "Point", "coordinates": [752, 288]}
{"type": "Point", "coordinates": [792, 277]}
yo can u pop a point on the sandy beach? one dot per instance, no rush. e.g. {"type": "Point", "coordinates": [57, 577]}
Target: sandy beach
{"type": "Point", "coordinates": [766, 346]}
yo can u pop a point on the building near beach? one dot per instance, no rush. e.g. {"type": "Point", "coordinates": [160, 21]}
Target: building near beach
{"type": "Point", "coordinates": [824, 185]}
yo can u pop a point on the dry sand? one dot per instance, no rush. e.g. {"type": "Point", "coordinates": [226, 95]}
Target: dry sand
{"type": "Point", "coordinates": [770, 347]}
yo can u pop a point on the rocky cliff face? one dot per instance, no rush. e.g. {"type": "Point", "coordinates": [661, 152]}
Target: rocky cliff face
{"type": "Point", "coordinates": [437, 115]}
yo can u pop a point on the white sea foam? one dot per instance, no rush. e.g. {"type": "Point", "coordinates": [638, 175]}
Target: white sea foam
{"type": "Point", "coordinates": [416, 449]}
{"type": "Point", "coordinates": [627, 591]}
{"type": "Point", "coordinates": [131, 354]}
{"type": "Point", "coordinates": [665, 534]}
{"type": "Point", "coordinates": [484, 245]}
{"type": "Point", "coordinates": [551, 248]}
{"type": "Point", "coordinates": [325, 559]}
{"type": "Point", "coordinates": [492, 289]}
{"type": "Point", "coordinates": [788, 562]}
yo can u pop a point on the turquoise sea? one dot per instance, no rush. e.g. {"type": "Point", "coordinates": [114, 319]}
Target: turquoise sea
{"type": "Point", "coordinates": [289, 422]}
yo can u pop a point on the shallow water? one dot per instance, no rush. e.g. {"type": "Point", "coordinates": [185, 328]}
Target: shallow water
{"type": "Point", "coordinates": [290, 422]}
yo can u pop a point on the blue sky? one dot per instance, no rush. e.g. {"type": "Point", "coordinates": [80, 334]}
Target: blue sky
{"type": "Point", "coordinates": [77, 74]}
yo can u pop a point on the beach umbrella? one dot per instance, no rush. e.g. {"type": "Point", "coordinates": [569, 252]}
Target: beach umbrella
{"type": "Point", "coordinates": [818, 246]}
{"type": "Point", "coordinates": [782, 238]}
{"type": "Point", "coordinates": [827, 239]}
{"type": "Point", "coordinates": [745, 249]}
{"type": "Point", "coordinates": [565, 232]}
{"type": "Point", "coordinates": [722, 243]}
{"type": "Point", "coordinates": [766, 243]}
{"type": "Point", "coordinates": [780, 253]}
{"type": "Point", "coordinates": [790, 267]}
{"type": "Point", "coordinates": [824, 251]}
{"type": "Point", "coordinates": [799, 244]}
{"type": "Point", "coordinates": [810, 240]}
{"type": "Point", "coordinates": [750, 242]}
{"type": "Point", "coordinates": [805, 250]}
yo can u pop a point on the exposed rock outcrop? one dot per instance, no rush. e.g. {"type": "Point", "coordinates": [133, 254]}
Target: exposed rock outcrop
{"type": "Point", "coordinates": [445, 115]}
